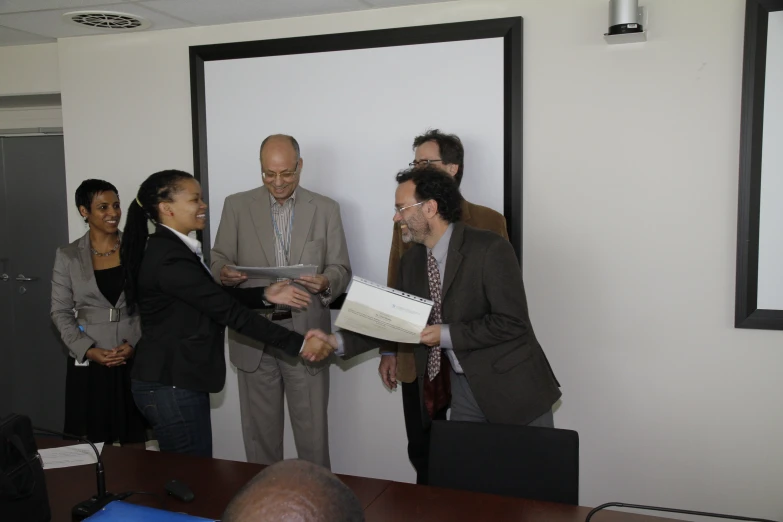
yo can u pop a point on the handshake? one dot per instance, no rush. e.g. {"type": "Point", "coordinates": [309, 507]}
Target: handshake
{"type": "Point", "coordinates": [318, 345]}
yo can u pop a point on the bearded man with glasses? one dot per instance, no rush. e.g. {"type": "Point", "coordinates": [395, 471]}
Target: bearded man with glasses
{"type": "Point", "coordinates": [445, 153]}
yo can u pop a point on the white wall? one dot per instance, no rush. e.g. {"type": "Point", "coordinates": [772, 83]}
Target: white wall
{"type": "Point", "coordinates": [29, 69]}
{"type": "Point", "coordinates": [630, 194]}
{"type": "Point", "coordinates": [24, 70]}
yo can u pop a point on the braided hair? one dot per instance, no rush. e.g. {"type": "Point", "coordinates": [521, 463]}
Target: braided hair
{"type": "Point", "coordinates": [157, 188]}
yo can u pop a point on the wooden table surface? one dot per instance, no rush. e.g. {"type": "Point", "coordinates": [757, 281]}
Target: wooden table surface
{"type": "Point", "coordinates": [214, 482]}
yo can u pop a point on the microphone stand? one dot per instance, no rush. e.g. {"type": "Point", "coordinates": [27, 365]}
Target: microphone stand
{"type": "Point", "coordinates": [97, 502]}
{"type": "Point", "coordinates": [671, 510]}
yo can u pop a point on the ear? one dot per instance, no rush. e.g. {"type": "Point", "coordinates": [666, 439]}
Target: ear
{"type": "Point", "coordinates": [452, 169]}
{"type": "Point", "coordinates": [83, 211]}
{"type": "Point", "coordinates": [301, 163]}
{"type": "Point", "coordinates": [430, 208]}
{"type": "Point", "coordinates": [164, 208]}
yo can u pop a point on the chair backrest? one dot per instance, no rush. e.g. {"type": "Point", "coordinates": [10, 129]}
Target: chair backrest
{"type": "Point", "coordinates": [516, 461]}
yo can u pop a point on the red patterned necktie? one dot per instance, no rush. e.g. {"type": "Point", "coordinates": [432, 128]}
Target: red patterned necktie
{"type": "Point", "coordinates": [437, 385]}
{"type": "Point", "coordinates": [433, 361]}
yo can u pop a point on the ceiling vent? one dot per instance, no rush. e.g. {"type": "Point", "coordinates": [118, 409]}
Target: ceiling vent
{"type": "Point", "coordinates": [107, 20]}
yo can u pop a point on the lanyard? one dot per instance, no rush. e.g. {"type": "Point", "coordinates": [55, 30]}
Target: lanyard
{"type": "Point", "coordinates": [285, 246]}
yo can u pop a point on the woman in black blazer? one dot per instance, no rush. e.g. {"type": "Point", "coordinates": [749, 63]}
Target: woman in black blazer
{"type": "Point", "coordinates": [180, 357]}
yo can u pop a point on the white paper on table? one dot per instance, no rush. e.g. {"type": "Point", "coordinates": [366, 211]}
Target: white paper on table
{"type": "Point", "coordinates": [276, 272]}
{"type": "Point", "coordinates": [383, 312]}
{"type": "Point", "coordinates": [67, 456]}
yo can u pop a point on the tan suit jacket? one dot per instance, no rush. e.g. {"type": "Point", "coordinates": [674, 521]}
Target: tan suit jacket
{"type": "Point", "coordinates": [74, 287]}
{"type": "Point", "coordinates": [475, 216]}
{"type": "Point", "coordinates": [246, 237]}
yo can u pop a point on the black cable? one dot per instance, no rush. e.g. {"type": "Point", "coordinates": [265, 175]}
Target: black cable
{"type": "Point", "coordinates": [672, 510]}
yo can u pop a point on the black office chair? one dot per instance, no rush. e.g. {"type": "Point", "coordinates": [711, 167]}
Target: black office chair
{"type": "Point", "coordinates": [515, 461]}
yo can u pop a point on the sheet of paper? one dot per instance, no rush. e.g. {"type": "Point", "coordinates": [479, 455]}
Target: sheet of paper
{"type": "Point", "coordinates": [65, 457]}
{"type": "Point", "coordinates": [382, 312]}
{"type": "Point", "coordinates": [275, 272]}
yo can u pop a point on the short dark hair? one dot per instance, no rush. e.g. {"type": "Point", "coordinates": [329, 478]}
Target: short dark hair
{"type": "Point", "coordinates": [451, 150]}
{"type": "Point", "coordinates": [294, 144]}
{"type": "Point", "coordinates": [318, 487]}
{"type": "Point", "coordinates": [433, 183]}
{"type": "Point", "coordinates": [91, 188]}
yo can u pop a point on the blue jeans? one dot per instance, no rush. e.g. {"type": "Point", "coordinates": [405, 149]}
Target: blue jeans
{"type": "Point", "coordinates": [180, 418]}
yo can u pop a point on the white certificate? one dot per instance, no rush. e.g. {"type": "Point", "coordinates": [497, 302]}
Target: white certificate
{"type": "Point", "coordinates": [383, 312]}
{"type": "Point", "coordinates": [276, 272]}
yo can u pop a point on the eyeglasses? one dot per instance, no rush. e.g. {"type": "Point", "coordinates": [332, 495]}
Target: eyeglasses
{"type": "Point", "coordinates": [398, 210]}
{"type": "Point", "coordinates": [422, 163]}
{"type": "Point", "coordinates": [287, 175]}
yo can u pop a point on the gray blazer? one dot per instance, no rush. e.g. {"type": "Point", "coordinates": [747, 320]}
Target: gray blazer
{"type": "Point", "coordinates": [485, 307]}
{"type": "Point", "coordinates": [74, 288]}
{"type": "Point", "coordinates": [245, 237]}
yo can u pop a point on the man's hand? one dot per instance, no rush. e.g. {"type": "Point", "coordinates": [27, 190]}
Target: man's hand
{"type": "Point", "coordinates": [231, 277]}
{"type": "Point", "coordinates": [314, 283]}
{"type": "Point", "coordinates": [431, 335]}
{"type": "Point", "coordinates": [285, 293]}
{"type": "Point", "coordinates": [388, 371]}
{"type": "Point", "coordinates": [318, 346]}
{"type": "Point", "coordinates": [104, 357]}
{"type": "Point", "coordinates": [125, 350]}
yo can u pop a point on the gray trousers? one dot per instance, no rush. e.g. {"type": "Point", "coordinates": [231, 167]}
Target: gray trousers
{"type": "Point", "coordinates": [465, 408]}
{"type": "Point", "coordinates": [261, 407]}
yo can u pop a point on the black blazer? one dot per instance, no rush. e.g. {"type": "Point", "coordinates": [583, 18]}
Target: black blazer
{"type": "Point", "coordinates": [184, 314]}
{"type": "Point", "coordinates": [485, 307]}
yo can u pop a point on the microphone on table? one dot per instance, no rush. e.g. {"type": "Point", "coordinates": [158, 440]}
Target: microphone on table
{"type": "Point", "coordinates": [672, 510]}
{"type": "Point", "coordinates": [95, 503]}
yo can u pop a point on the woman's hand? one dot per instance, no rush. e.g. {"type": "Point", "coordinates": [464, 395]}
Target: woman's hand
{"type": "Point", "coordinates": [284, 293]}
{"type": "Point", "coordinates": [125, 350]}
{"type": "Point", "coordinates": [103, 357]}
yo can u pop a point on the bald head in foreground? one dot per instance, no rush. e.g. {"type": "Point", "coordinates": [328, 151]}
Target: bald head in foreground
{"type": "Point", "coordinates": [294, 491]}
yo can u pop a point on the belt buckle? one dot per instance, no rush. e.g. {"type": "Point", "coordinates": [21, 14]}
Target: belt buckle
{"type": "Point", "coordinates": [114, 315]}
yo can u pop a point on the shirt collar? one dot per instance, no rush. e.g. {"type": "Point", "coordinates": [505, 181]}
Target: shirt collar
{"type": "Point", "coordinates": [193, 244]}
{"type": "Point", "coordinates": [441, 248]}
{"type": "Point", "coordinates": [291, 198]}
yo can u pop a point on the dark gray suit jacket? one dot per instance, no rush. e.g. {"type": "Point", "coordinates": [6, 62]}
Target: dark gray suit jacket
{"type": "Point", "coordinates": [485, 307]}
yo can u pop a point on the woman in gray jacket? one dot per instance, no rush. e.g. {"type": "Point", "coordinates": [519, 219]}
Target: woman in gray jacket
{"type": "Point", "coordinates": [88, 308]}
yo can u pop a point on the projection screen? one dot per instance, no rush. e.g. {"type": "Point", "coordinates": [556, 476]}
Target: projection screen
{"type": "Point", "coordinates": [354, 102]}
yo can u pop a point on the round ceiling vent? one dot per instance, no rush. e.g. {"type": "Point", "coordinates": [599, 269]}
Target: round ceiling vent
{"type": "Point", "coordinates": [107, 20]}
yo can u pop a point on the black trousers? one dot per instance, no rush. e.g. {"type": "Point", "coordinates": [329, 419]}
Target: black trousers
{"type": "Point", "coordinates": [418, 437]}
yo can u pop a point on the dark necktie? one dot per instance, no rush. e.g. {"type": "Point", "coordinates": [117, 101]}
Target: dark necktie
{"type": "Point", "coordinates": [437, 388]}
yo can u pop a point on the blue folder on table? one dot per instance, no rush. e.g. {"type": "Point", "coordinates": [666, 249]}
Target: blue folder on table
{"type": "Point", "coordinates": [119, 511]}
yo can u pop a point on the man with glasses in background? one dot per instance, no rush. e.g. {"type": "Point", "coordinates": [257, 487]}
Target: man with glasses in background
{"type": "Point", "coordinates": [282, 224]}
{"type": "Point", "coordinates": [445, 153]}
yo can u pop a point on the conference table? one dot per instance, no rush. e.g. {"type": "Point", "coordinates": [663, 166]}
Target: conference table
{"type": "Point", "coordinates": [214, 482]}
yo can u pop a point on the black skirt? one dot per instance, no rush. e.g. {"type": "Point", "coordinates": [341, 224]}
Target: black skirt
{"type": "Point", "coordinates": [99, 404]}
{"type": "Point", "coordinates": [98, 401]}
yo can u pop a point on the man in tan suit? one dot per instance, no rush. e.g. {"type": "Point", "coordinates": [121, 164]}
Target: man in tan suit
{"type": "Point", "coordinates": [444, 152]}
{"type": "Point", "coordinates": [282, 224]}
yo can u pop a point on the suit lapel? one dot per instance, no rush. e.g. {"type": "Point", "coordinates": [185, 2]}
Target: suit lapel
{"type": "Point", "coordinates": [454, 259]}
{"type": "Point", "coordinates": [88, 274]}
{"type": "Point", "coordinates": [304, 211]}
{"type": "Point", "coordinates": [260, 213]}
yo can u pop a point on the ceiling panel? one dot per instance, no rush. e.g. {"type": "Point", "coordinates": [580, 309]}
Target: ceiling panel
{"type": "Point", "coordinates": [10, 36]}
{"type": "Point", "coordinates": [210, 12]}
{"type": "Point", "coordinates": [50, 23]}
{"type": "Point", "coordinates": [17, 6]}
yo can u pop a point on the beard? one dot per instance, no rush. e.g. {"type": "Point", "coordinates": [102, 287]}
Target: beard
{"type": "Point", "coordinates": [415, 232]}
